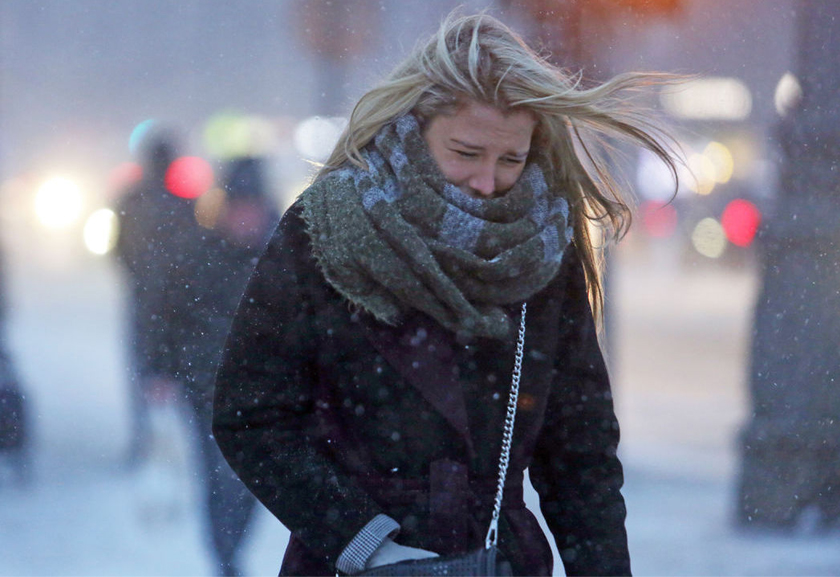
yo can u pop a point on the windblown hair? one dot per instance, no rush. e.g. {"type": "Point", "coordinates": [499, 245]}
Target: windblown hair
{"type": "Point", "coordinates": [477, 57]}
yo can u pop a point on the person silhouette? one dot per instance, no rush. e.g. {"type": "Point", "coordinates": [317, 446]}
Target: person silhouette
{"type": "Point", "coordinates": [210, 285]}
{"type": "Point", "coordinates": [154, 227]}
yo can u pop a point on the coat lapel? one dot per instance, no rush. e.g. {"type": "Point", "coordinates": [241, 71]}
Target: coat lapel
{"type": "Point", "coordinates": [421, 353]}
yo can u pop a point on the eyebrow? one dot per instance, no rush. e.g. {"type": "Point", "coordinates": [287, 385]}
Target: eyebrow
{"type": "Point", "coordinates": [476, 147]}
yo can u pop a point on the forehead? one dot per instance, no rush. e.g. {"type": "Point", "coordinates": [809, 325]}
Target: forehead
{"type": "Point", "coordinates": [482, 125]}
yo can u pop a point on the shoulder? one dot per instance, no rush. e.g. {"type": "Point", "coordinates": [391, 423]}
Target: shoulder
{"type": "Point", "coordinates": [311, 213]}
{"type": "Point", "coordinates": [565, 297]}
{"type": "Point", "coordinates": [289, 238]}
{"type": "Point", "coordinates": [570, 275]}
{"type": "Point", "coordinates": [288, 253]}
{"type": "Point", "coordinates": [291, 229]}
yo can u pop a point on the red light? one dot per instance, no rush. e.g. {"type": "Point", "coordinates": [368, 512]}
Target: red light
{"type": "Point", "coordinates": [189, 177]}
{"type": "Point", "coordinates": [658, 218]}
{"type": "Point", "coordinates": [740, 222]}
{"type": "Point", "coordinates": [124, 175]}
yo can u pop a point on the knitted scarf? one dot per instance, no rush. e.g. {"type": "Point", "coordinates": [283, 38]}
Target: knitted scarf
{"type": "Point", "coordinates": [398, 236]}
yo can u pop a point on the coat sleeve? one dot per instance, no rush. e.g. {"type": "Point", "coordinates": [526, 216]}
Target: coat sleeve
{"type": "Point", "coordinates": [575, 469]}
{"type": "Point", "coordinates": [264, 406]}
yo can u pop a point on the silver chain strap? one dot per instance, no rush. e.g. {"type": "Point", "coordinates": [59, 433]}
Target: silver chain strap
{"type": "Point", "coordinates": [507, 438]}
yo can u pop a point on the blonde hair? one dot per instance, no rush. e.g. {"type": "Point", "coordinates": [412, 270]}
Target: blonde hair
{"type": "Point", "coordinates": [477, 57]}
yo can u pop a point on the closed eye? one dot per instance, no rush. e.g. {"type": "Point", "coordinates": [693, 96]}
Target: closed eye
{"type": "Point", "coordinates": [465, 153]}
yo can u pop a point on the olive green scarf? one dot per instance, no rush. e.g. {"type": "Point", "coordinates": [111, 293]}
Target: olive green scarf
{"type": "Point", "coordinates": [398, 236]}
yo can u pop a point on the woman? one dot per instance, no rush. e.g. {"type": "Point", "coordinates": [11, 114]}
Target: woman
{"type": "Point", "coordinates": [363, 391]}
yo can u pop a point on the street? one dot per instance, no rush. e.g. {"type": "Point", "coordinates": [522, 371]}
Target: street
{"type": "Point", "coordinates": [678, 354]}
{"type": "Point", "coordinates": [682, 337]}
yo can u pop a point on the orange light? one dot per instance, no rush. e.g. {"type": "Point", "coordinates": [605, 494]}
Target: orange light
{"type": "Point", "coordinates": [653, 6]}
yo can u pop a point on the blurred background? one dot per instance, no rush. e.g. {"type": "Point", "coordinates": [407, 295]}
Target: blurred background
{"type": "Point", "coordinates": [720, 302]}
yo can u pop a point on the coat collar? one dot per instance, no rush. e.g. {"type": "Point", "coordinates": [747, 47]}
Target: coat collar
{"type": "Point", "coordinates": [421, 353]}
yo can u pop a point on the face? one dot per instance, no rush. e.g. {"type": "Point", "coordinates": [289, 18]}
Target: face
{"type": "Point", "coordinates": [480, 149]}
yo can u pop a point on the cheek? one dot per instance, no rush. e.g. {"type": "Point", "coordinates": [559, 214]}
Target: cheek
{"type": "Point", "coordinates": [445, 164]}
{"type": "Point", "coordinates": [453, 172]}
{"type": "Point", "coordinates": [507, 177]}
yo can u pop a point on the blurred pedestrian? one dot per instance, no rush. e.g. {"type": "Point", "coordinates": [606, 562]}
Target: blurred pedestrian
{"type": "Point", "coordinates": [239, 221]}
{"type": "Point", "coordinates": [789, 480]}
{"type": "Point", "coordinates": [155, 226]}
{"type": "Point", "coordinates": [366, 381]}
{"type": "Point", "coordinates": [14, 429]}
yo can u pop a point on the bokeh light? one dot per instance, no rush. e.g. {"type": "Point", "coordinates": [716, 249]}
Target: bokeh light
{"type": "Point", "coordinates": [209, 207]}
{"type": "Point", "coordinates": [746, 154]}
{"type": "Point", "coordinates": [138, 134]}
{"type": "Point", "coordinates": [703, 174]}
{"type": "Point", "coordinates": [712, 98]}
{"type": "Point", "coordinates": [654, 180]}
{"type": "Point", "coordinates": [315, 137]}
{"type": "Point", "coordinates": [659, 219]}
{"type": "Point", "coordinates": [708, 238]}
{"type": "Point", "coordinates": [740, 222]}
{"type": "Point", "coordinates": [100, 231]}
{"type": "Point", "coordinates": [721, 158]}
{"type": "Point", "coordinates": [232, 135]}
{"type": "Point", "coordinates": [58, 203]}
{"type": "Point", "coordinates": [226, 135]}
{"type": "Point", "coordinates": [788, 94]}
{"type": "Point", "coordinates": [123, 175]}
{"type": "Point", "coordinates": [189, 177]}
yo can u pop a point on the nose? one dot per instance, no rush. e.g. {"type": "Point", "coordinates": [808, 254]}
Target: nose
{"type": "Point", "coordinates": [483, 180]}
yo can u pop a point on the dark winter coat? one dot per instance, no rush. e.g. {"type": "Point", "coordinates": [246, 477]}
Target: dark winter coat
{"type": "Point", "coordinates": [156, 229]}
{"type": "Point", "coordinates": [331, 418]}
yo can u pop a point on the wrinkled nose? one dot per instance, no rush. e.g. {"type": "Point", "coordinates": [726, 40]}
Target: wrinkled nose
{"type": "Point", "coordinates": [483, 181]}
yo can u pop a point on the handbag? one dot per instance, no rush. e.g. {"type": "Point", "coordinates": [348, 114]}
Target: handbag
{"type": "Point", "coordinates": [487, 560]}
